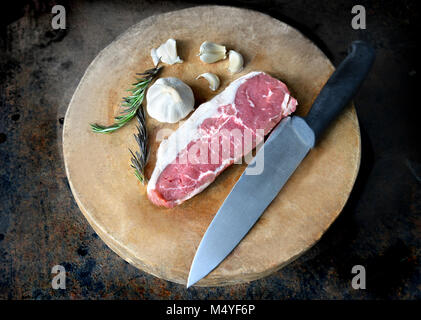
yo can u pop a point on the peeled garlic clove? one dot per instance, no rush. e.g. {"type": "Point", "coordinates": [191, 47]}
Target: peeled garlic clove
{"type": "Point", "coordinates": [236, 61]}
{"type": "Point", "coordinates": [166, 52]}
{"type": "Point", "coordinates": [155, 57]}
{"type": "Point", "coordinates": [169, 100]}
{"type": "Point", "coordinates": [210, 52]}
{"type": "Point", "coordinates": [212, 79]}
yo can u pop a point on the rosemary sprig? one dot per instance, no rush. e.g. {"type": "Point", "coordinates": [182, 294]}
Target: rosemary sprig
{"type": "Point", "coordinates": [139, 159]}
{"type": "Point", "coordinates": [131, 103]}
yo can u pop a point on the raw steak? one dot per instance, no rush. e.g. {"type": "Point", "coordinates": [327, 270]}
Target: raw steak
{"type": "Point", "coordinates": [216, 135]}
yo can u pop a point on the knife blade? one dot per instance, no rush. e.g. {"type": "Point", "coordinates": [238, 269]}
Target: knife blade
{"type": "Point", "coordinates": [285, 148]}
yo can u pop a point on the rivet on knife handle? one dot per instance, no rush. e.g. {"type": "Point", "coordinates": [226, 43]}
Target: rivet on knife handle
{"type": "Point", "coordinates": [341, 87]}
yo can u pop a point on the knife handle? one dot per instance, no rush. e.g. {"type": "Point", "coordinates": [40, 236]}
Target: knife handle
{"type": "Point", "coordinates": [341, 87]}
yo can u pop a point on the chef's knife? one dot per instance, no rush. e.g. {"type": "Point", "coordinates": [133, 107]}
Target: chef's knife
{"type": "Point", "coordinates": [284, 150]}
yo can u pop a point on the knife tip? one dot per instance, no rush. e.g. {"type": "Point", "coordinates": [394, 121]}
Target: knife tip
{"type": "Point", "coordinates": [190, 281]}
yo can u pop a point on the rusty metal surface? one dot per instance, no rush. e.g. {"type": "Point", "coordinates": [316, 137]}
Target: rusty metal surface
{"type": "Point", "coordinates": [41, 225]}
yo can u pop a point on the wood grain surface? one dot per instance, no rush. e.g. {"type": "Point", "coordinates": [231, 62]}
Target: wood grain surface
{"type": "Point", "coordinates": [163, 241]}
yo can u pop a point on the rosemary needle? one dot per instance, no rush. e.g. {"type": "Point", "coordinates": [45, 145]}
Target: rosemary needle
{"type": "Point", "coordinates": [139, 159]}
{"type": "Point", "coordinates": [131, 103]}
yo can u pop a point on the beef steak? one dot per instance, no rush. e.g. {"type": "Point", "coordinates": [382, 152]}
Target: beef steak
{"type": "Point", "coordinates": [217, 134]}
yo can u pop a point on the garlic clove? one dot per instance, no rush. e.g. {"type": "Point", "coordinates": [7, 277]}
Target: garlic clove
{"type": "Point", "coordinates": [155, 57]}
{"type": "Point", "coordinates": [236, 62]}
{"type": "Point", "coordinates": [166, 52]}
{"type": "Point", "coordinates": [212, 79]}
{"type": "Point", "coordinates": [169, 100]}
{"type": "Point", "coordinates": [210, 52]}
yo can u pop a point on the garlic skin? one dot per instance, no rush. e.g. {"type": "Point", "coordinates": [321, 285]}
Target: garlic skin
{"type": "Point", "coordinates": [212, 79]}
{"type": "Point", "coordinates": [169, 100]}
{"type": "Point", "coordinates": [236, 62]}
{"type": "Point", "coordinates": [166, 52]}
{"type": "Point", "coordinates": [210, 52]}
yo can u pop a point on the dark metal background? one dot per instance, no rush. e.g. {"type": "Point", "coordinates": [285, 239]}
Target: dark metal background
{"type": "Point", "coordinates": [41, 225]}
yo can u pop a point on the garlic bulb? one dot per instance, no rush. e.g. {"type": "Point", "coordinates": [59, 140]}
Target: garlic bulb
{"type": "Point", "coordinates": [236, 61]}
{"type": "Point", "coordinates": [169, 100]}
{"type": "Point", "coordinates": [212, 79]}
{"type": "Point", "coordinates": [166, 52]}
{"type": "Point", "coordinates": [210, 52]}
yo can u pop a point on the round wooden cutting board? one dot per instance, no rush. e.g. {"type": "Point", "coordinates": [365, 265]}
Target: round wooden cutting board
{"type": "Point", "coordinates": [163, 241]}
